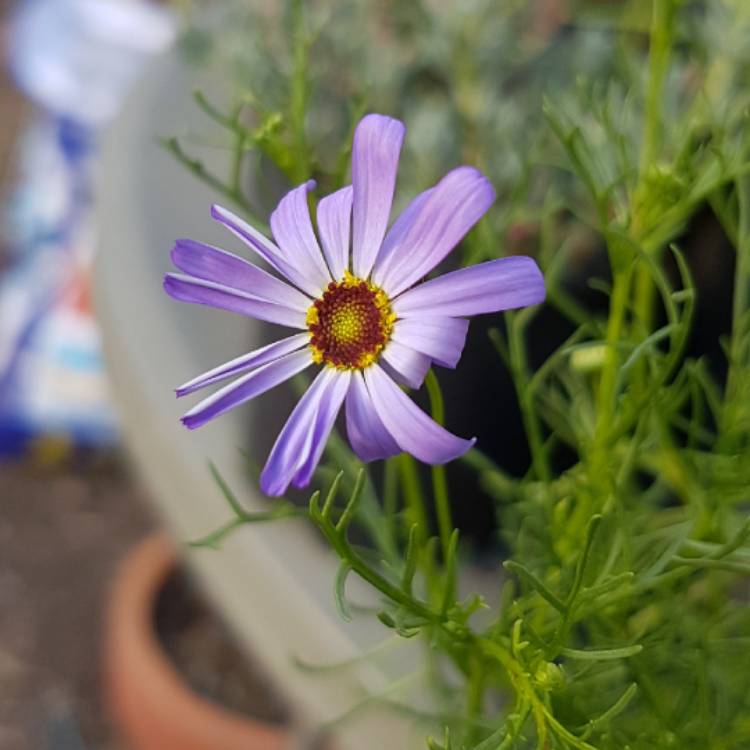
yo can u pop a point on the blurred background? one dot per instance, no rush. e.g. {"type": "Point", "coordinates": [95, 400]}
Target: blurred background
{"type": "Point", "coordinates": [69, 506]}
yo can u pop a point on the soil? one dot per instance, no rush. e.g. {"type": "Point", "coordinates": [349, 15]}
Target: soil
{"type": "Point", "coordinates": [208, 657]}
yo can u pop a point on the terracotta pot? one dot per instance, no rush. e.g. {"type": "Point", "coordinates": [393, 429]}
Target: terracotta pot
{"type": "Point", "coordinates": [151, 704]}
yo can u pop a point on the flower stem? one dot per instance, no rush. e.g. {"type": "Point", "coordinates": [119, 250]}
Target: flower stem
{"type": "Point", "coordinates": [741, 294]}
{"type": "Point", "coordinates": [439, 482]}
{"type": "Point", "coordinates": [299, 92]}
{"type": "Point", "coordinates": [662, 23]}
{"type": "Point", "coordinates": [519, 367]}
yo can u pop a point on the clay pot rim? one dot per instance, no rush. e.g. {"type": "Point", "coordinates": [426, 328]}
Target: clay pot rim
{"type": "Point", "coordinates": [149, 700]}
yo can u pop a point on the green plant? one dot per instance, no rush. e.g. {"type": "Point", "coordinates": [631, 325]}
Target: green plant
{"type": "Point", "coordinates": [623, 620]}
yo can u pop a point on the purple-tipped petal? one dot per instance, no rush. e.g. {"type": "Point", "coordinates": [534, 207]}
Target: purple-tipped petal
{"type": "Point", "coordinates": [247, 387]}
{"type": "Point", "coordinates": [407, 366]}
{"type": "Point", "coordinates": [216, 265]}
{"type": "Point", "coordinates": [246, 362]}
{"type": "Point", "coordinates": [411, 428]}
{"type": "Point", "coordinates": [293, 230]}
{"type": "Point", "coordinates": [440, 338]}
{"type": "Point", "coordinates": [502, 284]}
{"type": "Point", "coordinates": [375, 153]}
{"type": "Point", "coordinates": [334, 227]}
{"type": "Point", "coordinates": [200, 292]}
{"type": "Point", "coordinates": [303, 437]}
{"type": "Point", "coordinates": [273, 255]}
{"type": "Point", "coordinates": [396, 233]}
{"type": "Point", "coordinates": [367, 434]}
{"type": "Point", "coordinates": [455, 204]}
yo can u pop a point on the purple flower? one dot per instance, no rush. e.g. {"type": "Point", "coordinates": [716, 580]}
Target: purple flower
{"type": "Point", "coordinates": [358, 304]}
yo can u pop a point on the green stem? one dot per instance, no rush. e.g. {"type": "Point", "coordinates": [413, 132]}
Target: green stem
{"type": "Point", "coordinates": [415, 512]}
{"type": "Point", "coordinates": [439, 482]}
{"type": "Point", "coordinates": [233, 193]}
{"type": "Point", "coordinates": [606, 394]}
{"type": "Point", "coordinates": [662, 19]}
{"type": "Point", "coordinates": [662, 22]}
{"type": "Point", "coordinates": [522, 379]}
{"type": "Point", "coordinates": [298, 93]}
{"type": "Point", "coordinates": [475, 695]}
{"type": "Point", "coordinates": [741, 294]}
{"type": "Point", "coordinates": [336, 537]}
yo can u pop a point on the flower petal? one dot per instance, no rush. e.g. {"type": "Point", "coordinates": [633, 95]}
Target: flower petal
{"type": "Point", "coordinates": [293, 230]}
{"type": "Point", "coordinates": [330, 405]}
{"type": "Point", "coordinates": [243, 389]}
{"type": "Point", "coordinates": [396, 233]}
{"type": "Point", "coordinates": [455, 204]}
{"type": "Point", "coordinates": [404, 364]}
{"type": "Point", "coordinates": [411, 428]}
{"type": "Point", "coordinates": [265, 248]}
{"type": "Point", "coordinates": [200, 292]}
{"type": "Point", "coordinates": [502, 284]}
{"type": "Point", "coordinates": [367, 434]}
{"type": "Point", "coordinates": [246, 362]}
{"type": "Point", "coordinates": [375, 153]}
{"type": "Point", "coordinates": [303, 437]}
{"type": "Point", "coordinates": [440, 338]}
{"type": "Point", "coordinates": [334, 227]}
{"type": "Point", "coordinates": [213, 264]}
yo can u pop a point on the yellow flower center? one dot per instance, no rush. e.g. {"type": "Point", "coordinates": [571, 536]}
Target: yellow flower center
{"type": "Point", "coordinates": [350, 323]}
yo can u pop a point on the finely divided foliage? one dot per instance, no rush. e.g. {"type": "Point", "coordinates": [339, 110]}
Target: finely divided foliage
{"type": "Point", "coordinates": [618, 143]}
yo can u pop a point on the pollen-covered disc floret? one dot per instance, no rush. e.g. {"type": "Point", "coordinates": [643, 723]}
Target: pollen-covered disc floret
{"type": "Point", "coordinates": [350, 324]}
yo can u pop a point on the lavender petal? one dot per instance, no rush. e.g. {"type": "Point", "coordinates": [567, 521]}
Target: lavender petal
{"type": "Point", "coordinates": [455, 204]}
{"type": "Point", "coordinates": [375, 154]}
{"type": "Point", "coordinates": [440, 338]}
{"type": "Point", "coordinates": [411, 428]}
{"type": "Point", "coordinates": [216, 265]}
{"type": "Point", "coordinates": [334, 227]}
{"type": "Point", "coordinates": [293, 452]}
{"type": "Point", "coordinates": [367, 434]}
{"type": "Point", "coordinates": [248, 386]}
{"type": "Point", "coordinates": [407, 366]}
{"type": "Point", "coordinates": [200, 292]}
{"type": "Point", "coordinates": [265, 248]}
{"type": "Point", "coordinates": [293, 231]}
{"type": "Point", "coordinates": [399, 228]}
{"type": "Point", "coordinates": [330, 405]}
{"type": "Point", "coordinates": [245, 362]}
{"type": "Point", "coordinates": [502, 284]}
